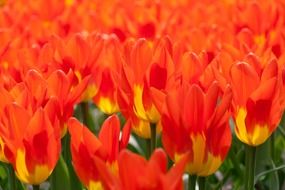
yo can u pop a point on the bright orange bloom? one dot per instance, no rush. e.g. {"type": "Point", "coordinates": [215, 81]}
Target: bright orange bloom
{"type": "Point", "coordinates": [152, 174]}
{"type": "Point", "coordinates": [195, 68]}
{"type": "Point", "coordinates": [60, 85]}
{"type": "Point", "coordinates": [260, 26]}
{"type": "Point", "coordinates": [258, 101]}
{"type": "Point", "coordinates": [6, 100]}
{"type": "Point", "coordinates": [32, 143]}
{"type": "Point", "coordinates": [148, 66]}
{"type": "Point", "coordinates": [99, 164]}
{"type": "Point", "coordinates": [89, 56]}
{"type": "Point", "coordinates": [108, 69]}
{"type": "Point", "coordinates": [35, 91]}
{"type": "Point", "coordinates": [76, 54]}
{"type": "Point", "coordinates": [196, 122]}
{"type": "Point", "coordinates": [30, 95]}
{"type": "Point", "coordinates": [88, 151]}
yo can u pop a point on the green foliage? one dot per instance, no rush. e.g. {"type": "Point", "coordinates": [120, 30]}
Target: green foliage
{"type": "Point", "coordinates": [60, 178]}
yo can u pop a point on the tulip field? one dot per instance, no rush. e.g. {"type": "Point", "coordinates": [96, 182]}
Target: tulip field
{"type": "Point", "coordinates": [142, 94]}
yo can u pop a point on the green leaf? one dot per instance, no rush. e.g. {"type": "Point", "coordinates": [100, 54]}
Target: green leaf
{"type": "Point", "coordinates": [74, 181]}
{"type": "Point", "coordinates": [273, 179]}
{"type": "Point", "coordinates": [273, 170]}
{"type": "Point", "coordinates": [3, 173]}
{"type": "Point", "coordinates": [265, 163]}
{"type": "Point", "coordinates": [60, 178]}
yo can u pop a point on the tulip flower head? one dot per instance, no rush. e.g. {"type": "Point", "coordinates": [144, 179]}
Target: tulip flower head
{"type": "Point", "coordinates": [148, 66]}
{"type": "Point", "coordinates": [257, 101]}
{"type": "Point", "coordinates": [32, 144]}
{"type": "Point", "coordinates": [88, 151]}
{"type": "Point", "coordinates": [196, 123]}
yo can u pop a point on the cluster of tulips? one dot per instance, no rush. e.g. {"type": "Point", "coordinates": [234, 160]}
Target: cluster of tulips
{"type": "Point", "coordinates": [184, 76]}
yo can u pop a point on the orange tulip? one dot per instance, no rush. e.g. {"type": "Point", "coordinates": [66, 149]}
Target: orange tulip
{"type": "Point", "coordinates": [195, 68]}
{"type": "Point", "coordinates": [35, 91]}
{"type": "Point", "coordinates": [95, 57]}
{"type": "Point", "coordinates": [196, 122]}
{"type": "Point", "coordinates": [258, 101]}
{"type": "Point", "coordinates": [108, 68]}
{"type": "Point", "coordinates": [76, 55]}
{"type": "Point", "coordinates": [259, 24]}
{"type": "Point", "coordinates": [88, 151]}
{"type": "Point", "coordinates": [152, 174]}
{"type": "Point", "coordinates": [32, 144]}
{"type": "Point", "coordinates": [61, 86]}
{"type": "Point", "coordinates": [146, 67]}
{"type": "Point", "coordinates": [30, 95]}
{"type": "Point", "coordinates": [100, 165]}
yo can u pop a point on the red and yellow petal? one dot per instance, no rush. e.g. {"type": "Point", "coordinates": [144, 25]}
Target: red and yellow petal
{"type": "Point", "coordinates": [38, 175]}
{"type": "Point", "coordinates": [258, 134]}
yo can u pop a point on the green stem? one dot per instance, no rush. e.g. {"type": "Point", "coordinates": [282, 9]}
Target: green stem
{"type": "Point", "coordinates": [250, 153]}
{"type": "Point", "coordinates": [65, 146]}
{"type": "Point", "coordinates": [153, 137]}
{"type": "Point", "coordinates": [85, 112]}
{"type": "Point", "coordinates": [192, 182]}
{"type": "Point", "coordinates": [148, 148]}
{"type": "Point", "coordinates": [36, 187]}
{"type": "Point", "coordinates": [272, 149]}
{"type": "Point", "coordinates": [12, 178]}
{"type": "Point", "coordinates": [151, 143]}
{"type": "Point", "coordinates": [87, 117]}
{"type": "Point", "coordinates": [202, 183]}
